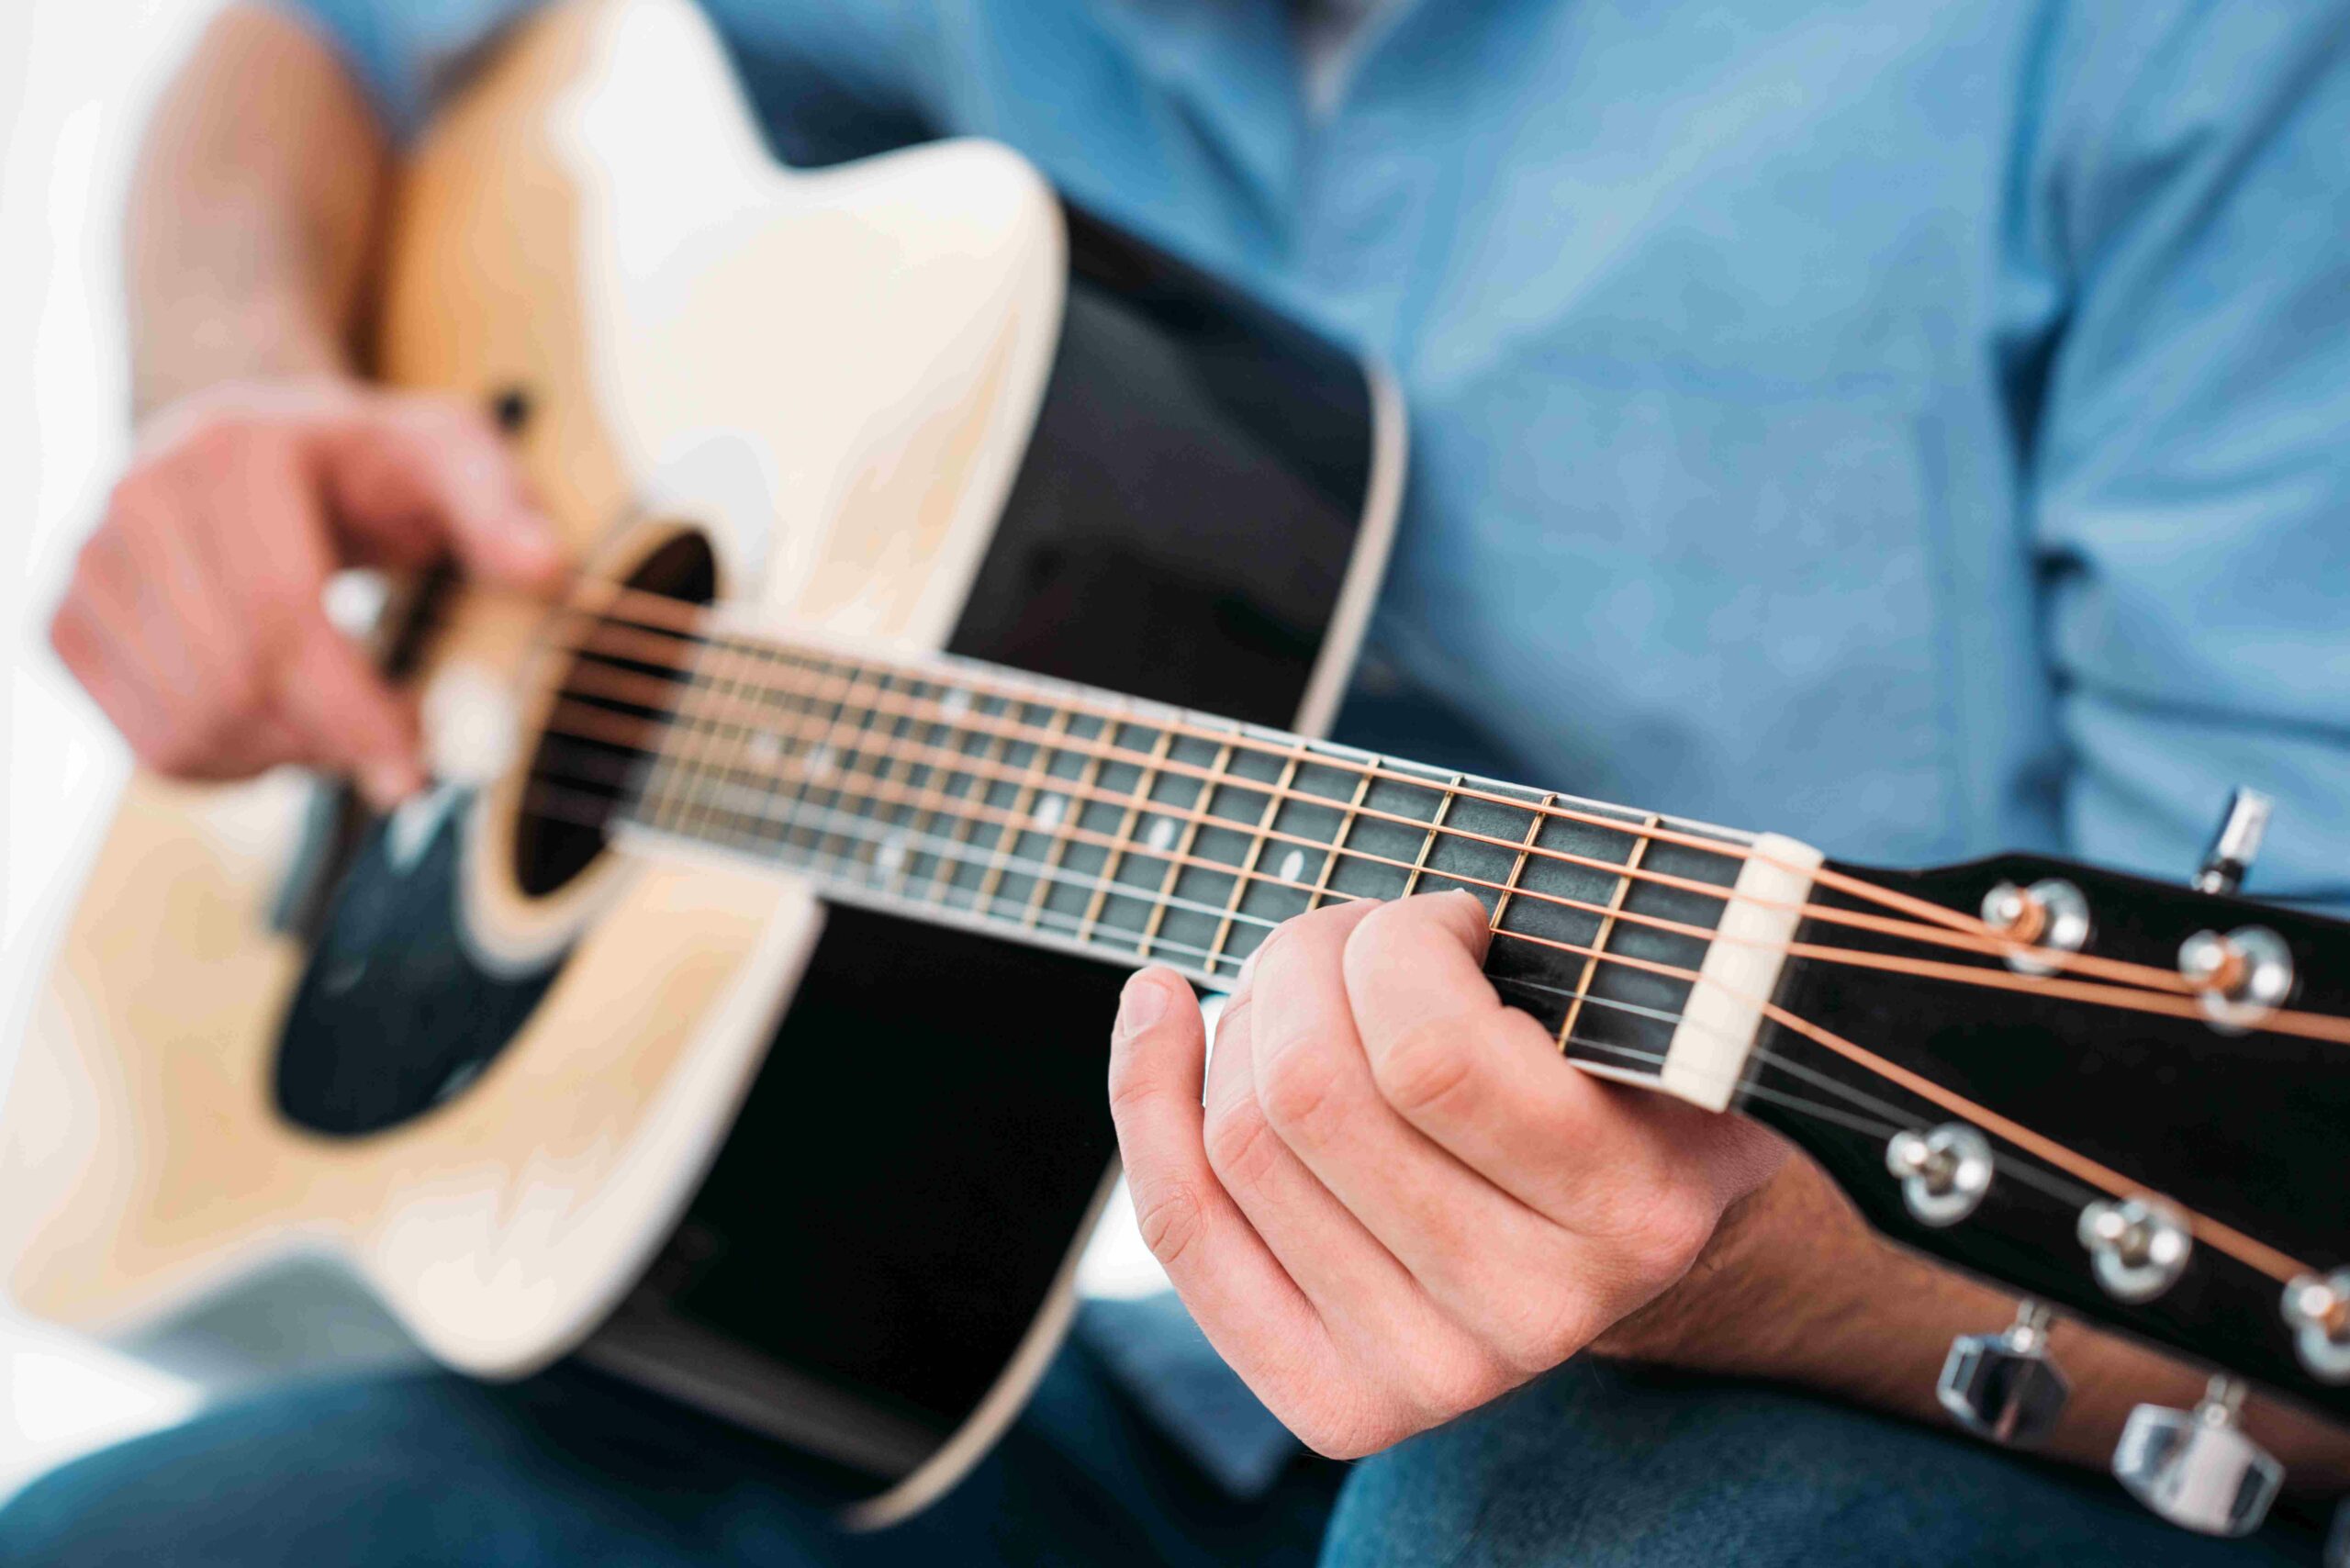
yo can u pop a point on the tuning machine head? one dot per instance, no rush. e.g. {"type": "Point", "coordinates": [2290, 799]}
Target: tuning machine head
{"type": "Point", "coordinates": [2050, 915]}
{"type": "Point", "coordinates": [2318, 1312]}
{"type": "Point", "coordinates": [1944, 1171]}
{"type": "Point", "coordinates": [2004, 1386]}
{"type": "Point", "coordinates": [2137, 1247]}
{"type": "Point", "coordinates": [2235, 843]}
{"type": "Point", "coordinates": [2197, 1468]}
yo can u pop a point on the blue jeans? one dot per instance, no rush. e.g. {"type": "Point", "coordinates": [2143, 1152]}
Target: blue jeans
{"type": "Point", "coordinates": [1599, 1466]}
{"type": "Point", "coordinates": [1591, 1468]}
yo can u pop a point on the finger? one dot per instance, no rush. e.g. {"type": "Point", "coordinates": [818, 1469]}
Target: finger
{"type": "Point", "coordinates": [332, 696]}
{"type": "Point", "coordinates": [1251, 1311]}
{"type": "Point", "coordinates": [1488, 1083]}
{"type": "Point", "coordinates": [319, 683]}
{"type": "Point", "coordinates": [1471, 1246]}
{"type": "Point", "coordinates": [408, 478]}
{"type": "Point", "coordinates": [88, 650]}
{"type": "Point", "coordinates": [1357, 1286]}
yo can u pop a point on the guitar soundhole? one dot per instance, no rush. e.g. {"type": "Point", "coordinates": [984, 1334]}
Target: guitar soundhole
{"type": "Point", "coordinates": [614, 698]}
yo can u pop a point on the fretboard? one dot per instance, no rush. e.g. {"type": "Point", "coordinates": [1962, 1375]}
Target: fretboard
{"type": "Point", "coordinates": [1059, 815]}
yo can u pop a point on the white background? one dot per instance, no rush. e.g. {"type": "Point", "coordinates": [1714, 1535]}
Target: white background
{"type": "Point", "coordinates": [76, 80]}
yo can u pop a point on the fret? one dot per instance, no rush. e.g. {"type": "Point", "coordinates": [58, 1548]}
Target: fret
{"type": "Point", "coordinates": [1331, 856]}
{"type": "Point", "coordinates": [852, 736]}
{"type": "Point", "coordinates": [991, 755]}
{"type": "Point", "coordinates": [897, 776]}
{"type": "Point", "coordinates": [1255, 853]}
{"type": "Point", "coordinates": [1436, 832]}
{"type": "Point", "coordinates": [759, 746]}
{"type": "Point", "coordinates": [1517, 866]}
{"type": "Point", "coordinates": [945, 736]}
{"type": "Point", "coordinates": [672, 795]}
{"type": "Point", "coordinates": [894, 855]}
{"type": "Point", "coordinates": [812, 757]}
{"type": "Point", "coordinates": [1606, 927]}
{"type": "Point", "coordinates": [1134, 811]}
{"type": "Point", "coordinates": [1073, 807]}
{"type": "Point", "coordinates": [849, 778]}
{"type": "Point", "coordinates": [1008, 836]}
{"type": "Point", "coordinates": [1175, 865]}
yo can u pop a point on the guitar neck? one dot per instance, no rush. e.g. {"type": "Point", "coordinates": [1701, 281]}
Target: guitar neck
{"type": "Point", "coordinates": [1068, 817]}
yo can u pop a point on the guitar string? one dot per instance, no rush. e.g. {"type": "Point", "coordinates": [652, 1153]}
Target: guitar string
{"type": "Point", "coordinates": [1951, 932]}
{"type": "Point", "coordinates": [848, 869]}
{"type": "Point", "coordinates": [2254, 1254]}
{"type": "Point", "coordinates": [682, 622]}
{"type": "Point", "coordinates": [593, 811]}
{"type": "Point", "coordinates": [619, 683]}
{"type": "Point", "coordinates": [2227, 1238]}
{"type": "Point", "coordinates": [869, 739]}
{"type": "Point", "coordinates": [678, 621]}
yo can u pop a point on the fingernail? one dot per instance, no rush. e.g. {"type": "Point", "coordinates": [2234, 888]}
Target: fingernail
{"type": "Point", "coordinates": [387, 784]}
{"type": "Point", "coordinates": [1141, 1004]}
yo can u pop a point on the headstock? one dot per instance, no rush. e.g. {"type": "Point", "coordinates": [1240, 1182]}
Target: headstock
{"type": "Point", "coordinates": [2141, 1121]}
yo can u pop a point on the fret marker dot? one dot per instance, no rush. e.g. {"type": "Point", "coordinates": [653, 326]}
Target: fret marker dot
{"type": "Point", "coordinates": [764, 748]}
{"type": "Point", "coordinates": [1292, 865]}
{"type": "Point", "coordinates": [820, 762]}
{"type": "Point", "coordinates": [955, 703]}
{"type": "Point", "coordinates": [891, 854]}
{"type": "Point", "coordinates": [1049, 810]}
{"type": "Point", "coordinates": [1162, 834]}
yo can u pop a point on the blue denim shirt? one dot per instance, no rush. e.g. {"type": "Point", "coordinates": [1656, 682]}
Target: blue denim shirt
{"type": "Point", "coordinates": [1918, 429]}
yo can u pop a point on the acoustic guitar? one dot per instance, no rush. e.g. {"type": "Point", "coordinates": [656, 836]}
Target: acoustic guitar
{"type": "Point", "coordinates": [966, 584]}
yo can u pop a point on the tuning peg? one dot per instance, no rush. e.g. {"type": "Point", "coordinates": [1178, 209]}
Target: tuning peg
{"type": "Point", "coordinates": [2197, 1468]}
{"type": "Point", "coordinates": [2236, 842]}
{"type": "Point", "coordinates": [2004, 1386]}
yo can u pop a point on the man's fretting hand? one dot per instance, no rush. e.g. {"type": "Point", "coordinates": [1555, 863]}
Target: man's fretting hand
{"type": "Point", "coordinates": [1398, 1202]}
{"type": "Point", "coordinates": [196, 616]}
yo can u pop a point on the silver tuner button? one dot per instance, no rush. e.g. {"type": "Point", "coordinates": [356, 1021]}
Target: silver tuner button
{"type": "Point", "coordinates": [2049, 915]}
{"type": "Point", "coordinates": [2197, 1468]}
{"type": "Point", "coordinates": [2235, 843]}
{"type": "Point", "coordinates": [1944, 1172]}
{"type": "Point", "coordinates": [2238, 979]}
{"type": "Point", "coordinates": [2137, 1247]}
{"type": "Point", "coordinates": [2318, 1312]}
{"type": "Point", "coordinates": [2003, 1386]}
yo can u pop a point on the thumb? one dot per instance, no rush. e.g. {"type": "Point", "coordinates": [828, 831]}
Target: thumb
{"type": "Point", "coordinates": [410, 478]}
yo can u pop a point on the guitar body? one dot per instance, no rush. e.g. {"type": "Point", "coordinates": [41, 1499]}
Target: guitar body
{"type": "Point", "coordinates": [549, 1095]}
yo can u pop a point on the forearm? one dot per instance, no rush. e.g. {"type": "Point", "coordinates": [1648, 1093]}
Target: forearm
{"type": "Point", "coordinates": [254, 213]}
{"type": "Point", "coordinates": [1797, 1289]}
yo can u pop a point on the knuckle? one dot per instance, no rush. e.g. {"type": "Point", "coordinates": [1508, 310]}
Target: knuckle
{"type": "Point", "coordinates": [1430, 1067]}
{"type": "Point", "coordinates": [71, 638]}
{"type": "Point", "coordinates": [213, 439]}
{"type": "Point", "coordinates": [1659, 1233]}
{"type": "Point", "coordinates": [1132, 1089]}
{"type": "Point", "coordinates": [1241, 1147]}
{"type": "Point", "coordinates": [1171, 1220]}
{"type": "Point", "coordinates": [175, 748]}
{"type": "Point", "coordinates": [1444, 1385]}
{"type": "Point", "coordinates": [1532, 1331]}
{"type": "Point", "coordinates": [1297, 1089]}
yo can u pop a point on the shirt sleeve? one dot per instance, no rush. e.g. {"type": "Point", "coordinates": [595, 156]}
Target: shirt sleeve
{"type": "Point", "coordinates": [2191, 463]}
{"type": "Point", "coordinates": [836, 78]}
{"type": "Point", "coordinates": [403, 52]}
